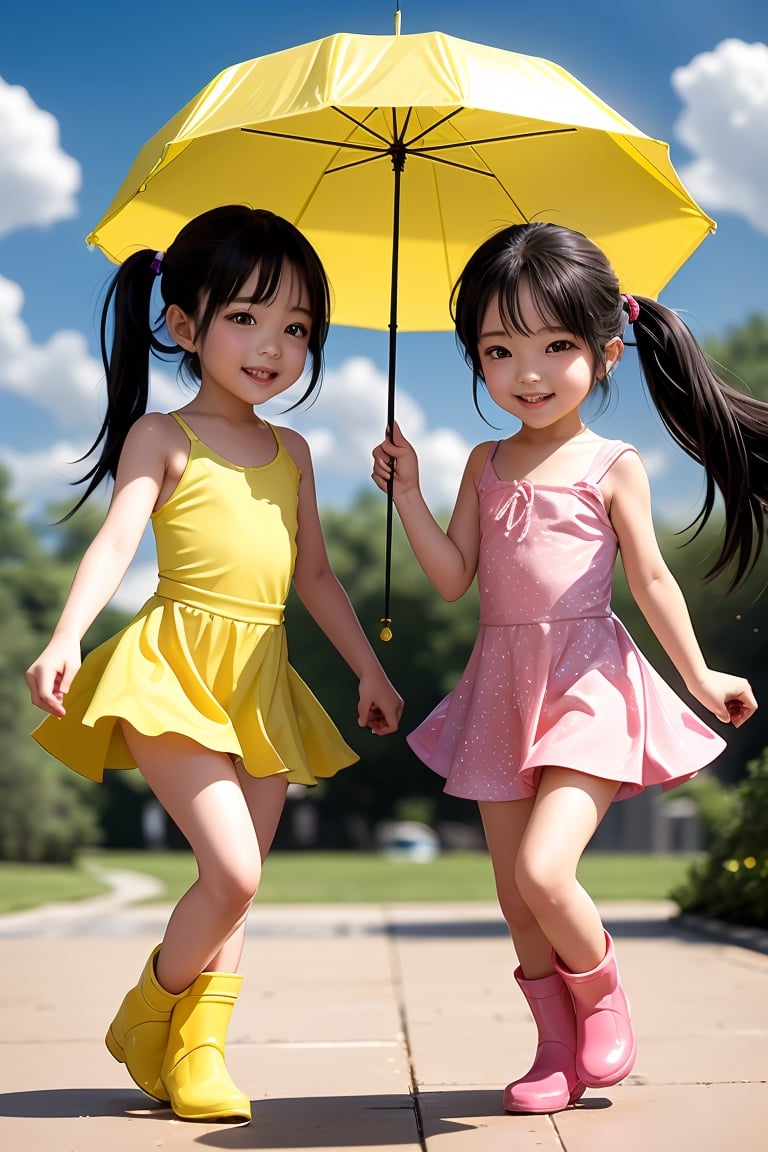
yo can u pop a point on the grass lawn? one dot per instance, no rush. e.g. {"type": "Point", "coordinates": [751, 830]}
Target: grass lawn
{"type": "Point", "coordinates": [29, 885]}
{"type": "Point", "coordinates": [341, 877]}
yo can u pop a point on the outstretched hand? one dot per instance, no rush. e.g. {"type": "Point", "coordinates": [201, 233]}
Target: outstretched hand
{"type": "Point", "coordinates": [730, 698]}
{"type": "Point", "coordinates": [395, 459]}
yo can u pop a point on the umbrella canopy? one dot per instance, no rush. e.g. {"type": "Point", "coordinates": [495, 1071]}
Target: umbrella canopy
{"type": "Point", "coordinates": [482, 137]}
{"type": "Point", "coordinates": [397, 156]}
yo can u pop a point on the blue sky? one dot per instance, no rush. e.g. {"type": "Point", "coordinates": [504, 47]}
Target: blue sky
{"type": "Point", "coordinates": [83, 86]}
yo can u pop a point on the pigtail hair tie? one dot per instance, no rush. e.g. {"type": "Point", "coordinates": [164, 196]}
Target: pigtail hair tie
{"type": "Point", "coordinates": [157, 263]}
{"type": "Point", "coordinates": [632, 307]}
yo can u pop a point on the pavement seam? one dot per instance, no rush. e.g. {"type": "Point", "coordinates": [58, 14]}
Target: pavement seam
{"type": "Point", "coordinates": [397, 983]}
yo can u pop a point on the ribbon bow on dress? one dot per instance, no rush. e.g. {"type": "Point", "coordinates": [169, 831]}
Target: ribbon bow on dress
{"type": "Point", "coordinates": [518, 509]}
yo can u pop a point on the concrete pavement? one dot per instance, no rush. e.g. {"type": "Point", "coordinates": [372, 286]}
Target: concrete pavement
{"type": "Point", "coordinates": [380, 1027]}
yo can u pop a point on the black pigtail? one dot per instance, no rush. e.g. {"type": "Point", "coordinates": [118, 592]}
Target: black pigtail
{"type": "Point", "coordinates": [724, 430]}
{"type": "Point", "coordinates": [126, 365]}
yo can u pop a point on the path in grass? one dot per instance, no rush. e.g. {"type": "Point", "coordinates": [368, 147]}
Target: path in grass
{"type": "Point", "coordinates": [123, 889]}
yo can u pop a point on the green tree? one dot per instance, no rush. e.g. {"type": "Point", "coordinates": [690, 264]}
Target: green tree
{"type": "Point", "coordinates": [742, 355]}
{"type": "Point", "coordinates": [430, 645]}
{"type": "Point", "coordinates": [46, 814]}
{"type": "Point", "coordinates": [731, 628]}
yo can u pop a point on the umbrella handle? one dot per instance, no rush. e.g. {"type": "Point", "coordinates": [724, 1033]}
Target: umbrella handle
{"type": "Point", "coordinates": [385, 632]}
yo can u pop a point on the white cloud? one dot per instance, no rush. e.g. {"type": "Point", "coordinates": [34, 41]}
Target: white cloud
{"type": "Point", "coordinates": [342, 427]}
{"type": "Point", "coordinates": [38, 181]}
{"type": "Point", "coordinates": [725, 126]}
{"type": "Point", "coordinates": [44, 476]}
{"type": "Point", "coordinates": [61, 376]}
{"type": "Point", "coordinates": [348, 419]}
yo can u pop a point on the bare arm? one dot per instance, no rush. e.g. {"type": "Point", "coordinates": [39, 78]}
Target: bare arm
{"type": "Point", "coordinates": [659, 597]}
{"type": "Point", "coordinates": [449, 559]}
{"type": "Point", "coordinates": [139, 476]}
{"type": "Point", "coordinates": [379, 706]}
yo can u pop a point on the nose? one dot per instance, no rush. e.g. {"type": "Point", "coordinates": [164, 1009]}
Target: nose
{"type": "Point", "coordinates": [269, 348]}
{"type": "Point", "coordinates": [268, 343]}
{"type": "Point", "coordinates": [527, 372]}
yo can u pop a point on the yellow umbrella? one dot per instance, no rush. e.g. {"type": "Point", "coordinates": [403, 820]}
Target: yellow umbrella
{"type": "Point", "coordinates": [396, 156]}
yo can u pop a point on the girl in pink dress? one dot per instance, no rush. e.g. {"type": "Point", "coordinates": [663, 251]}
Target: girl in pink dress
{"type": "Point", "coordinates": [558, 713]}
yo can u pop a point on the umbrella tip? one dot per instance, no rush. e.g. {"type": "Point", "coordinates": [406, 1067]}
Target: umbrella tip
{"type": "Point", "coordinates": [397, 33]}
{"type": "Point", "coordinates": [386, 632]}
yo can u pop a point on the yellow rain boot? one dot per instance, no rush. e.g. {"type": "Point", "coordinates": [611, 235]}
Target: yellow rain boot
{"type": "Point", "coordinates": [194, 1073]}
{"type": "Point", "coordinates": [138, 1035]}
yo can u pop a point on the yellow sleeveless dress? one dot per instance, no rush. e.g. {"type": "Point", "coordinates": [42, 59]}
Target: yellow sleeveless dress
{"type": "Point", "coordinates": [207, 655]}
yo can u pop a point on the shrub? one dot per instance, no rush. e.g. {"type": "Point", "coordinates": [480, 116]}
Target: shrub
{"type": "Point", "coordinates": [731, 882]}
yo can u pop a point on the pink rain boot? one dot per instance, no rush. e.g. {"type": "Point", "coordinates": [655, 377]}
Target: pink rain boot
{"type": "Point", "coordinates": [552, 1082]}
{"type": "Point", "coordinates": [605, 1040]}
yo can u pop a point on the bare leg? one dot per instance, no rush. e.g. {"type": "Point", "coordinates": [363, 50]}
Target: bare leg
{"type": "Point", "coordinates": [505, 824]}
{"type": "Point", "coordinates": [202, 792]}
{"type": "Point", "coordinates": [265, 799]}
{"type": "Point", "coordinates": [566, 812]}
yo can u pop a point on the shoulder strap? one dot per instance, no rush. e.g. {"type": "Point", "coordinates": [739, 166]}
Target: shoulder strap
{"type": "Point", "coordinates": [605, 457]}
{"type": "Point", "coordinates": [195, 439]}
{"type": "Point", "coordinates": [487, 475]}
{"type": "Point", "coordinates": [275, 432]}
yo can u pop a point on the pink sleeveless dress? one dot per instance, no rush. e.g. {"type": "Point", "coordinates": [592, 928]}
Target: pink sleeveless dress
{"type": "Point", "coordinates": [554, 677]}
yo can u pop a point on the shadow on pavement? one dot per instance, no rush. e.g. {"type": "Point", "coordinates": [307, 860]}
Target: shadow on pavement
{"type": "Point", "coordinates": [484, 1102]}
{"type": "Point", "coordinates": [328, 1122]}
{"type": "Point", "coordinates": [497, 929]}
{"type": "Point", "coordinates": [293, 1122]}
{"type": "Point", "coordinates": [68, 1103]}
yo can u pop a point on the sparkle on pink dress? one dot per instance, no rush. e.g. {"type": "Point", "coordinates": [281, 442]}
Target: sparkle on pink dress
{"type": "Point", "coordinates": [554, 677]}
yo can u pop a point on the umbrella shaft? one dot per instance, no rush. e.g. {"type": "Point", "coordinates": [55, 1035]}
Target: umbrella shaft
{"type": "Point", "coordinates": [391, 375]}
{"type": "Point", "coordinates": [393, 300]}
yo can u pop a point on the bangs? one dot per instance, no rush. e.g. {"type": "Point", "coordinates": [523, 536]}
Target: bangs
{"type": "Point", "coordinates": [555, 305]}
{"type": "Point", "coordinates": [270, 270]}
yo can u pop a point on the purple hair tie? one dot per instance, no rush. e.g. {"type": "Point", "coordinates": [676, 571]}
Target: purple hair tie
{"type": "Point", "coordinates": [157, 264]}
{"type": "Point", "coordinates": [633, 308]}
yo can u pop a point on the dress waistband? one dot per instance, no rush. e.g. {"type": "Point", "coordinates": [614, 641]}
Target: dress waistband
{"type": "Point", "coordinates": [496, 620]}
{"type": "Point", "coordinates": [219, 604]}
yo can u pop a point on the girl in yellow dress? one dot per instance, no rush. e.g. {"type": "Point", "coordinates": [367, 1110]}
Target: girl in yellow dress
{"type": "Point", "coordinates": [197, 692]}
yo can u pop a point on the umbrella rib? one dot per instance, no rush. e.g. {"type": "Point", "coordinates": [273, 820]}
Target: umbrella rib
{"type": "Point", "coordinates": [490, 140]}
{"type": "Point", "coordinates": [317, 140]}
{"type": "Point", "coordinates": [424, 153]}
{"type": "Point", "coordinates": [452, 164]}
{"type": "Point", "coordinates": [432, 127]}
{"type": "Point", "coordinates": [475, 172]}
{"type": "Point", "coordinates": [360, 124]}
{"type": "Point", "coordinates": [357, 163]}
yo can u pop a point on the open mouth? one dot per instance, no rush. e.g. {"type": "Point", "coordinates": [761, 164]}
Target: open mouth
{"type": "Point", "coordinates": [263, 375]}
{"type": "Point", "coordinates": [539, 398]}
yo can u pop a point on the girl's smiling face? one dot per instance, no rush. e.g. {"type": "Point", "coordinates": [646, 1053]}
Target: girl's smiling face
{"type": "Point", "coordinates": [542, 375]}
{"type": "Point", "coordinates": [255, 351]}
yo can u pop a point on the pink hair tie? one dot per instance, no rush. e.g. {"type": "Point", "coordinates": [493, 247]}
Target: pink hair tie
{"type": "Point", "coordinates": [633, 308]}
